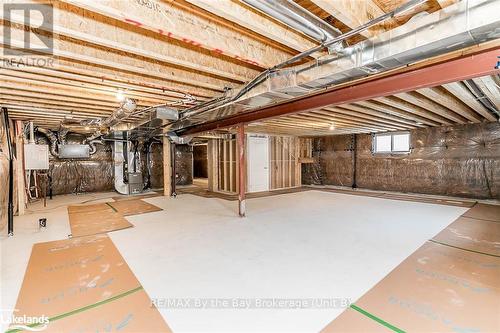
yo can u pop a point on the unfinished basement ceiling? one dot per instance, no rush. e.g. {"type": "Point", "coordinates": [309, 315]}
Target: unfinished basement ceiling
{"type": "Point", "coordinates": [196, 54]}
{"type": "Point", "coordinates": [465, 102]}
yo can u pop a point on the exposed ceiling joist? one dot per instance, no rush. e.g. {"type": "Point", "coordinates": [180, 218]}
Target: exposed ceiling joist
{"type": "Point", "coordinates": [396, 112]}
{"type": "Point", "coordinates": [490, 89]}
{"type": "Point", "coordinates": [459, 90]}
{"type": "Point", "coordinates": [431, 106]}
{"type": "Point", "coordinates": [238, 13]}
{"type": "Point", "coordinates": [130, 50]}
{"type": "Point", "coordinates": [355, 13]}
{"type": "Point", "coordinates": [408, 107]}
{"type": "Point", "coordinates": [441, 96]}
{"type": "Point", "coordinates": [378, 115]}
{"type": "Point", "coordinates": [462, 67]}
{"type": "Point", "coordinates": [185, 26]}
{"type": "Point", "coordinates": [120, 64]}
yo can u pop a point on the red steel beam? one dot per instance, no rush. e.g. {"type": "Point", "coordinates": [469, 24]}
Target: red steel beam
{"type": "Point", "coordinates": [459, 69]}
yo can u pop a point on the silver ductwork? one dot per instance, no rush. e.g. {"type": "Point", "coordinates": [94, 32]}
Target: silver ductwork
{"type": "Point", "coordinates": [121, 154]}
{"type": "Point", "coordinates": [296, 17]}
{"type": "Point", "coordinates": [458, 26]}
{"type": "Point", "coordinates": [52, 140]}
{"type": "Point", "coordinates": [102, 125]}
{"type": "Point", "coordinates": [126, 108]}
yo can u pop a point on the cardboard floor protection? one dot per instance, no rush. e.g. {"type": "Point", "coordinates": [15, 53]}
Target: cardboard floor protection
{"type": "Point", "coordinates": [132, 313]}
{"type": "Point", "coordinates": [448, 202]}
{"type": "Point", "coordinates": [133, 207]}
{"type": "Point", "coordinates": [450, 284]}
{"type": "Point", "coordinates": [472, 234]}
{"type": "Point", "coordinates": [136, 197]}
{"type": "Point", "coordinates": [484, 212]}
{"type": "Point", "coordinates": [397, 196]}
{"type": "Point", "coordinates": [87, 220]}
{"type": "Point", "coordinates": [65, 279]}
{"type": "Point", "coordinates": [351, 321]}
{"type": "Point", "coordinates": [437, 289]}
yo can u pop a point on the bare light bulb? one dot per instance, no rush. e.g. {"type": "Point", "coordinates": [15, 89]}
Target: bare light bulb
{"type": "Point", "coordinates": [332, 127]}
{"type": "Point", "coordinates": [120, 96]}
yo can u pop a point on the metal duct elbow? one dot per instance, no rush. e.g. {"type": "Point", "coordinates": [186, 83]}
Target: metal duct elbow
{"type": "Point", "coordinates": [127, 107]}
{"type": "Point", "coordinates": [93, 148]}
{"type": "Point", "coordinates": [296, 17]}
{"type": "Point", "coordinates": [52, 139]}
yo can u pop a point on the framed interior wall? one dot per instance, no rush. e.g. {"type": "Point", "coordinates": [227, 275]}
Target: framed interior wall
{"type": "Point", "coordinates": [284, 163]}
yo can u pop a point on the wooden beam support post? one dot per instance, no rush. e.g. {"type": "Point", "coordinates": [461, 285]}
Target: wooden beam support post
{"type": "Point", "coordinates": [241, 169]}
{"type": "Point", "coordinates": [167, 167]}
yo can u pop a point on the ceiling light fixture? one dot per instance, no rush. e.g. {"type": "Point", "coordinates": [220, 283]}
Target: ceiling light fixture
{"type": "Point", "coordinates": [120, 96]}
{"type": "Point", "coordinates": [332, 127]}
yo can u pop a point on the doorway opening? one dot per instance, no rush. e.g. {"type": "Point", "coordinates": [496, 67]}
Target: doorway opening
{"type": "Point", "coordinates": [200, 165]}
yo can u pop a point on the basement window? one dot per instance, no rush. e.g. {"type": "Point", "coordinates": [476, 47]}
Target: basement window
{"type": "Point", "coordinates": [389, 143]}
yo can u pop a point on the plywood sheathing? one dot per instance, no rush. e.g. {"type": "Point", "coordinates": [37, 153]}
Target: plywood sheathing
{"type": "Point", "coordinates": [123, 62]}
{"type": "Point", "coordinates": [95, 219]}
{"type": "Point", "coordinates": [177, 21]}
{"type": "Point", "coordinates": [245, 16]}
{"type": "Point", "coordinates": [133, 207]}
{"type": "Point", "coordinates": [356, 13]}
{"type": "Point", "coordinates": [90, 29]}
{"type": "Point", "coordinates": [67, 278]}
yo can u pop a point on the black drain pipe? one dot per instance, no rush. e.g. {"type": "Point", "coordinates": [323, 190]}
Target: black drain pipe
{"type": "Point", "coordinates": [354, 160]}
{"type": "Point", "coordinates": [10, 208]}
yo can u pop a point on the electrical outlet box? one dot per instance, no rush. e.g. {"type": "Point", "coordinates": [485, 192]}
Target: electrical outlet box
{"type": "Point", "coordinates": [36, 157]}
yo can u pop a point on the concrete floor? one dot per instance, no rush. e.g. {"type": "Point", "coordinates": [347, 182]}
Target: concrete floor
{"type": "Point", "coordinates": [296, 246]}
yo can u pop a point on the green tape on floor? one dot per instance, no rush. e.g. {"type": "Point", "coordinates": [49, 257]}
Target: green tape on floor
{"type": "Point", "coordinates": [461, 248]}
{"type": "Point", "coordinates": [377, 319]}
{"type": "Point", "coordinates": [82, 309]}
{"type": "Point", "coordinates": [107, 203]}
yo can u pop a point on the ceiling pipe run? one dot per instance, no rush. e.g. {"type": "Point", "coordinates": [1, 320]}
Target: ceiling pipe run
{"type": "Point", "coordinates": [227, 98]}
{"type": "Point", "coordinates": [456, 27]}
{"type": "Point", "coordinates": [298, 18]}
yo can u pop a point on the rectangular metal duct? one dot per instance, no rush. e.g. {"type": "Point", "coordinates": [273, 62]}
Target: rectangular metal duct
{"type": "Point", "coordinates": [458, 26]}
{"type": "Point", "coordinates": [73, 151]}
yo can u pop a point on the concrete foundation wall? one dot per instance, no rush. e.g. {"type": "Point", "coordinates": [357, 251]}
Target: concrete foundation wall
{"type": "Point", "coordinates": [96, 173]}
{"type": "Point", "coordinates": [452, 160]}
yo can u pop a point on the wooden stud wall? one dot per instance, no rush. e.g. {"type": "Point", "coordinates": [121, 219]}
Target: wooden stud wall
{"type": "Point", "coordinates": [285, 166]}
{"type": "Point", "coordinates": [224, 153]}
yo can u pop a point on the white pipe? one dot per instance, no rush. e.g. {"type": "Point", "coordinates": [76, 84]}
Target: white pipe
{"type": "Point", "coordinates": [32, 134]}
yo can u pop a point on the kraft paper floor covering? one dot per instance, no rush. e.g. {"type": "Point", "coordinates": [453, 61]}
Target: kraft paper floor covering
{"type": "Point", "coordinates": [84, 285]}
{"type": "Point", "coordinates": [199, 248]}
{"type": "Point", "coordinates": [95, 219]}
{"type": "Point", "coordinates": [133, 207]}
{"type": "Point", "coordinates": [450, 284]}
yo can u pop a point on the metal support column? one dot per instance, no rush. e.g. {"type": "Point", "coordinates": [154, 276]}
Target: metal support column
{"type": "Point", "coordinates": [240, 137]}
